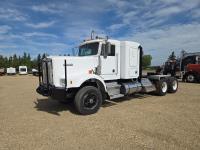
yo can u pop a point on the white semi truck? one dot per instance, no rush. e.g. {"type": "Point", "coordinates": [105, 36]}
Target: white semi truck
{"type": "Point", "coordinates": [103, 69]}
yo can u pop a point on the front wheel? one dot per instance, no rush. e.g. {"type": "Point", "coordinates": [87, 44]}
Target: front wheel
{"type": "Point", "coordinates": [88, 100]}
{"type": "Point", "coordinates": [190, 78]}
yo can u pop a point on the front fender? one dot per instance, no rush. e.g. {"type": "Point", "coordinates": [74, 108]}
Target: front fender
{"type": "Point", "coordinates": [77, 81]}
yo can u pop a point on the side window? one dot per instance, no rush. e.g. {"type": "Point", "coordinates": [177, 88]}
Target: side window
{"type": "Point", "coordinates": [112, 51]}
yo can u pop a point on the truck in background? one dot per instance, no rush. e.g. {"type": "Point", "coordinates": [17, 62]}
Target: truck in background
{"type": "Point", "coordinates": [186, 67]}
{"type": "Point", "coordinates": [23, 70]}
{"type": "Point", "coordinates": [11, 71]}
{"type": "Point", "coordinates": [190, 67]}
{"type": "Point", "coordinates": [192, 73]}
{"type": "Point", "coordinates": [35, 72]}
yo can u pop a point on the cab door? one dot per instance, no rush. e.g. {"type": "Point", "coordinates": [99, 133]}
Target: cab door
{"type": "Point", "coordinates": [109, 64]}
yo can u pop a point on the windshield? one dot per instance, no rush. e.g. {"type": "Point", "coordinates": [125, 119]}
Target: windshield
{"type": "Point", "coordinates": [23, 69]}
{"type": "Point", "coordinates": [88, 49]}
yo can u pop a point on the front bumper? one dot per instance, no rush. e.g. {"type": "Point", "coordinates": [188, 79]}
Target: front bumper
{"type": "Point", "coordinates": [45, 87]}
{"type": "Point", "coordinates": [43, 90]}
{"type": "Point", "coordinates": [54, 92]}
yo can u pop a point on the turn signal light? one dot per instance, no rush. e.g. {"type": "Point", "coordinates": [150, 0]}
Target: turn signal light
{"type": "Point", "coordinates": [90, 71]}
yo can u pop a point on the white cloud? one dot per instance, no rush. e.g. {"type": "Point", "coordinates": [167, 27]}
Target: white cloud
{"type": "Point", "coordinates": [2, 46]}
{"type": "Point", "coordinates": [40, 34]}
{"type": "Point", "coordinates": [4, 29]}
{"type": "Point", "coordinates": [51, 8]}
{"type": "Point", "coordinates": [195, 13]}
{"type": "Point", "coordinates": [168, 11]}
{"type": "Point", "coordinates": [11, 14]}
{"type": "Point", "coordinates": [51, 48]}
{"type": "Point", "coordinates": [10, 36]}
{"type": "Point", "coordinates": [173, 7]}
{"type": "Point", "coordinates": [129, 16]}
{"type": "Point", "coordinates": [146, 14]}
{"type": "Point", "coordinates": [41, 24]}
{"type": "Point", "coordinates": [49, 45]}
{"type": "Point", "coordinates": [79, 33]}
{"type": "Point", "coordinates": [116, 26]}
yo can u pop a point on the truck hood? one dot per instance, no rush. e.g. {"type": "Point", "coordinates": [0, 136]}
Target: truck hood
{"type": "Point", "coordinates": [81, 65]}
{"type": "Point", "coordinates": [76, 67]}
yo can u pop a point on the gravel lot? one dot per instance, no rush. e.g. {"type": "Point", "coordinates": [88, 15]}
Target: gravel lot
{"type": "Point", "coordinates": [30, 121]}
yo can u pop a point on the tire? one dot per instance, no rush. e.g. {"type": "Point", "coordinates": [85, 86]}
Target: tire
{"type": "Point", "coordinates": [191, 78]}
{"type": "Point", "coordinates": [88, 100]}
{"type": "Point", "coordinates": [172, 85]}
{"type": "Point", "coordinates": [161, 87]}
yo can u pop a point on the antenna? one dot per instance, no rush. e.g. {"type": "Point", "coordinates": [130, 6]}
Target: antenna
{"type": "Point", "coordinates": [97, 36]}
{"type": "Point", "coordinates": [92, 34]}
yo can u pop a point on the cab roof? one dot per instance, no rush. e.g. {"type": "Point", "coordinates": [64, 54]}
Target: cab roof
{"type": "Point", "coordinates": [111, 40]}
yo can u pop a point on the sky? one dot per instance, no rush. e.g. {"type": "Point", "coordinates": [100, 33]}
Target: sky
{"type": "Point", "coordinates": [56, 26]}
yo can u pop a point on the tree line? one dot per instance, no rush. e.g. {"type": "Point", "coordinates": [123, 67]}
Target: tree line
{"type": "Point", "coordinates": [26, 60]}
{"type": "Point", "coordinates": [18, 60]}
{"type": "Point", "coordinates": [146, 61]}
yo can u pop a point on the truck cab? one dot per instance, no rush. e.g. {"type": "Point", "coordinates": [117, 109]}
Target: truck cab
{"type": "Point", "coordinates": [192, 73]}
{"type": "Point", "coordinates": [103, 69]}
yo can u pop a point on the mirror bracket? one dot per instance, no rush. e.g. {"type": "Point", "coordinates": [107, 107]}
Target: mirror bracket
{"type": "Point", "coordinates": [107, 49]}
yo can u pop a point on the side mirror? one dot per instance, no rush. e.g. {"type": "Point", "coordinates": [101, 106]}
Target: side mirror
{"type": "Point", "coordinates": [107, 49]}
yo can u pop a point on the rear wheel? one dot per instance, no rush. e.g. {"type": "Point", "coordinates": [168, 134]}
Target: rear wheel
{"type": "Point", "coordinates": [190, 78]}
{"type": "Point", "coordinates": [161, 87]}
{"type": "Point", "coordinates": [88, 100]}
{"type": "Point", "coordinates": [172, 85]}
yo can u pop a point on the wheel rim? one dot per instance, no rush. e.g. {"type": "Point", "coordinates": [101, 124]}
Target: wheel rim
{"type": "Point", "coordinates": [164, 87]}
{"type": "Point", "coordinates": [174, 85]}
{"type": "Point", "coordinates": [90, 101]}
{"type": "Point", "coordinates": [190, 78]}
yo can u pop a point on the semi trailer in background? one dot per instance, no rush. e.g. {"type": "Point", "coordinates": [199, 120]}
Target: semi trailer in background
{"type": "Point", "coordinates": [103, 69]}
{"type": "Point", "coordinates": [11, 71]}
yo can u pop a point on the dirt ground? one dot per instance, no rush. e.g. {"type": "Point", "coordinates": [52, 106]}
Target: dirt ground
{"type": "Point", "coordinates": [30, 121]}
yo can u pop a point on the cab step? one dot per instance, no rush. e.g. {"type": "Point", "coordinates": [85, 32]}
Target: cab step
{"type": "Point", "coordinates": [147, 85]}
{"type": "Point", "coordinates": [114, 90]}
{"type": "Point", "coordinates": [116, 96]}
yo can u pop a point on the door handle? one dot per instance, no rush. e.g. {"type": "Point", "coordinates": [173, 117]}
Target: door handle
{"type": "Point", "coordinates": [113, 70]}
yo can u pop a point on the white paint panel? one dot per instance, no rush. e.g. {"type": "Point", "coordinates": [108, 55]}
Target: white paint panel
{"type": "Point", "coordinates": [108, 65]}
{"type": "Point", "coordinates": [129, 60]}
{"type": "Point", "coordinates": [76, 68]}
{"type": "Point", "coordinates": [111, 63]}
{"type": "Point", "coordinates": [133, 57]}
